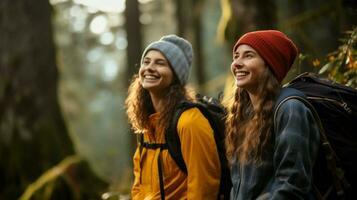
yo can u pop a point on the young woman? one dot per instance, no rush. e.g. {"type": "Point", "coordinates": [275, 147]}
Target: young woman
{"type": "Point", "coordinates": [270, 159]}
{"type": "Point", "coordinates": [153, 95]}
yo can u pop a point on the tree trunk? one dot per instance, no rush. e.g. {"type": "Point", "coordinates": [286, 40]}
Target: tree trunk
{"type": "Point", "coordinates": [134, 48]}
{"type": "Point", "coordinates": [182, 18]}
{"type": "Point", "coordinates": [247, 16]}
{"type": "Point", "coordinates": [198, 48]}
{"type": "Point", "coordinates": [33, 135]}
{"type": "Point", "coordinates": [133, 34]}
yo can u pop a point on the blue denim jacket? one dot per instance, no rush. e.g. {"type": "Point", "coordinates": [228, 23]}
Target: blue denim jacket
{"type": "Point", "coordinates": [286, 170]}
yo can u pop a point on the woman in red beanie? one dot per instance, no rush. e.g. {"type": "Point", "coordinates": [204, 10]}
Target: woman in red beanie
{"type": "Point", "coordinates": [271, 159]}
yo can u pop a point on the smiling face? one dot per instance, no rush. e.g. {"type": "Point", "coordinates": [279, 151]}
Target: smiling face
{"type": "Point", "coordinates": [247, 68]}
{"type": "Point", "coordinates": [155, 73]}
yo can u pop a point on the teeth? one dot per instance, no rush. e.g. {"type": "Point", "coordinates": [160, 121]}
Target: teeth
{"type": "Point", "coordinates": [150, 77]}
{"type": "Point", "coordinates": [241, 73]}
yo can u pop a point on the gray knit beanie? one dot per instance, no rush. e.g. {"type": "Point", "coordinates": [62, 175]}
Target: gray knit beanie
{"type": "Point", "coordinates": [177, 51]}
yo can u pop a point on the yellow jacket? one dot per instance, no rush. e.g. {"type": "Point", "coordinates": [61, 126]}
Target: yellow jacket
{"type": "Point", "coordinates": [201, 158]}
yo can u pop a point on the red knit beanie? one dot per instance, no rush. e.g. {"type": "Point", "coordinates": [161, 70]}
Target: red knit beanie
{"type": "Point", "coordinates": [277, 50]}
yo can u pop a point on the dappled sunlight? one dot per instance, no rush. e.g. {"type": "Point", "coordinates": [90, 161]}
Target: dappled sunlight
{"type": "Point", "coordinates": [66, 66]}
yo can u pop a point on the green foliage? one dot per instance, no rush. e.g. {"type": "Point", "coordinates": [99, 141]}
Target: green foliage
{"type": "Point", "coordinates": [341, 65]}
{"type": "Point", "coordinates": [47, 178]}
{"type": "Point", "coordinates": [71, 177]}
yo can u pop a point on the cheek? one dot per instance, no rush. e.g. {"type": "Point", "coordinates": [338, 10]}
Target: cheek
{"type": "Point", "coordinates": [170, 78]}
{"type": "Point", "coordinates": [140, 72]}
{"type": "Point", "coordinates": [232, 67]}
{"type": "Point", "coordinates": [141, 78]}
{"type": "Point", "coordinates": [169, 74]}
{"type": "Point", "coordinates": [260, 66]}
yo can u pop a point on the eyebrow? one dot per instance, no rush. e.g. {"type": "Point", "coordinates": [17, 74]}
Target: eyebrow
{"type": "Point", "coordinates": [245, 52]}
{"type": "Point", "coordinates": [156, 60]}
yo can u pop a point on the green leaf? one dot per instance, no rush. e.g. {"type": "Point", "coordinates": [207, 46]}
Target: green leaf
{"type": "Point", "coordinates": [325, 68]}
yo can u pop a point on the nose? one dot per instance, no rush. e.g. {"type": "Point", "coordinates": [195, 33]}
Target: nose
{"type": "Point", "coordinates": [236, 63]}
{"type": "Point", "coordinates": [148, 66]}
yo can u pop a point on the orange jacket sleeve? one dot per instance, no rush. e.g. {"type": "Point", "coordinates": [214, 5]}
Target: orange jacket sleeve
{"type": "Point", "coordinates": [200, 154]}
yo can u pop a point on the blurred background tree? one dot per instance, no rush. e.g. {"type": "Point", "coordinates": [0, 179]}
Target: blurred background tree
{"type": "Point", "coordinates": [34, 135]}
{"type": "Point", "coordinates": [87, 61]}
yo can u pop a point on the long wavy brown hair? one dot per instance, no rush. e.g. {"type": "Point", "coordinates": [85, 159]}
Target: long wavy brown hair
{"type": "Point", "coordinates": [248, 130]}
{"type": "Point", "coordinates": [139, 105]}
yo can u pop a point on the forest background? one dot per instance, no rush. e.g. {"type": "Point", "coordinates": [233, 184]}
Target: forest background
{"type": "Point", "coordinates": [65, 66]}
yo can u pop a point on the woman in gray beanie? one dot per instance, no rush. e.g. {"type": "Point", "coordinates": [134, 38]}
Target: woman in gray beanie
{"type": "Point", "coordinates": [156, 90]}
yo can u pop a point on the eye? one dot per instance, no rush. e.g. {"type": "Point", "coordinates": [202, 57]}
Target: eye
{"type": "Point", "coordinates": [235, 56]}
{"type": "Point", "coordinates": [249, 55]}
{"type": "Point", "coordinates": [161, 63]}
{"type": "Point", "coordinates": [146, 62]}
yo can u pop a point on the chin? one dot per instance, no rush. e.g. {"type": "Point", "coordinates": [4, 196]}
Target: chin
{"type": "Point", "coordinates": [240, 84]}
{"type": "Point", "coordinates": [149, 88]}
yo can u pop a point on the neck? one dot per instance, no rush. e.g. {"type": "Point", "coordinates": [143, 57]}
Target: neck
{"type": "Point", "coordinates": [157, 102]}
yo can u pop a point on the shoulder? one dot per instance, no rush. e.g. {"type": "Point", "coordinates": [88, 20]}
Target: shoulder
{"type": "Point", "coordinates": [193, 122]}
{"type": "Point", "coordinates": [291, 100]}
{"type": "Point", "coordinates": [292, 109]}
{"type": "Point", "coordinates": [191, 117]}
{"type": "Point", "coordinates": [193, 126]}
{"type": "Point", "coordinates": [294, 117]}
{"type": "Point", "coordinates": [292, 105]}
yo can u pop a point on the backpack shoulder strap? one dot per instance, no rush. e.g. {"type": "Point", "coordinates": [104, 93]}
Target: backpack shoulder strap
{"type": "Point", "coordinates": [140, 141]}
{"type": "Point", "coordinates": [286, 94]}
{"type": "Point", "coordinates": [142, 144]}
{"type": "Point", "coordinates": [291, 93]}
{"type": "Point", "coordinates": [171, 136]}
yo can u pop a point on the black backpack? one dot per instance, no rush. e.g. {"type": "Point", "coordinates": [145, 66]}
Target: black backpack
{"type": "Point", "coordinates": [215, 113]}
{"type": "Point", "coordinates": [335, 108]}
